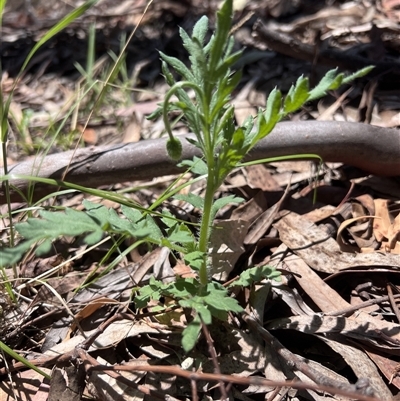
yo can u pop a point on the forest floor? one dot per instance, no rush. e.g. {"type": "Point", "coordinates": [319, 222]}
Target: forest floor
{"type": "Point", "coordinates": [333, 320]}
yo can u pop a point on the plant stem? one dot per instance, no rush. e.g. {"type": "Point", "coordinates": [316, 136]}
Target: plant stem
{"type": "Point", "coordinates": [205, 228]}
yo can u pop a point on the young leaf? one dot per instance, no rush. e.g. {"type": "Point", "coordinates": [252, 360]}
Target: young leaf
{"type": "Point", "coordinates": [200, 29]}
{"type": "Point", "coordinates": [266, 121]}
{"type": "Point", "coordinates": [358, 74]}
{"type": "Point", "coordinates": [178, 66]}
{"type": "Point", "coordinates": [323, 85]}
{"type": "Point", "coordinates": [219, 41]}
{"type": "Point", "coordinates": [297, 95]}
{"type": "Point", "coordinates": [152, 291]}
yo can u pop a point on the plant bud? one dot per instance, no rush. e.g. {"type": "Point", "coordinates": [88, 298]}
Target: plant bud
{"type": "Point", "coordinates": [174, 148]}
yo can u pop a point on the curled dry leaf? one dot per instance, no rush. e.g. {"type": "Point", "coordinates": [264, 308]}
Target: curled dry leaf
{"type": "Point", "coordinates": [387, 226]}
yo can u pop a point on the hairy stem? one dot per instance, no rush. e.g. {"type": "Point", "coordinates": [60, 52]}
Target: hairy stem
{"type": "Point", "coordinates": [205, 227]}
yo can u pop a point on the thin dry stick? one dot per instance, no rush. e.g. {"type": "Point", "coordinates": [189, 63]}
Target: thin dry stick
{"type": "Point", "coordinates": [299, 364]}
{"type": "Point", "coordinates": [213, 354]}
{"type": "Point", "coordinates": [90, 362]}
{"type": "Point", "coordinates": [276, 392]}
{"type": "Point", "coordinates": [245, 381]}
{"type": "Point", "coordinates": [91, 339]}
{"type": "Point", "coordinates": [193, 386]}
{"type": "Point", "coordinates": [353, 308]}
{"type": "Point", "coordinates": [393, 302]}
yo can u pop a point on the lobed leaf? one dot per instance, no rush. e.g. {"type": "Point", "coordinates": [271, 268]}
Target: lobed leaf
{"type": "Point", "coordinates": [255, 275]}
{"type": "Point", "coordinates": [221, 202]}
{"type": "Point", "coordinates": [197, 165]}
{"type": "Point", "coordinates": [323, 86]}
{"type": "Point", "coordinates": [194, 259]}
{"type": "Point", "coordinates": [297, 95]}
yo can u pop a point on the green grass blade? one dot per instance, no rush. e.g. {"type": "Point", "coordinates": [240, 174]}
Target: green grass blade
{"type": "Point", "coordinates": [21, 359]}
{"type": "Point", "coordinates": [305, 156]}
{"type": "Point", "coordinates": [67, 20]}
{"type": "Point", "coordinates": [2, 5]}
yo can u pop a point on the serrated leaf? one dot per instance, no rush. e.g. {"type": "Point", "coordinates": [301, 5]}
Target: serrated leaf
{"type": "Point", "coordinates": [11, 256]}
{"type": "Point", "coordinates": [97, 212]}
{"type": "Point", "coordinates": [169, 78]}
{"type": "Point", "coordinates": [227, 63]}
{"type": "Point", "coordinates": [337, 82]}
{"type": "Point", "coordinates": [218, 298]}
{"type": "Point", "coordinates": [182, 288]}
{"type": "Point", "coordinates": [152, 291]}
{"type": "Point", "coordinates": [358, 74]}
{"type": "Point", "coordinates": [221, 202]}
{"type": "Point", "coordinates": [197, 304]}
{"type": "Point", "coordinates": [44, 247]}
{"type": "Point", "coordinates": [255, 275]}
{"type": "Point", "coordinates": [169, 219]}
{"type": "Point", "coordinates": [141, 226]}
{"type": "Point", "coordinates": [181, 235]}
{"type": "Point", "coordinates": [55, 224]}
{"type": "Point", "coordinates": [197, 166]}
{"type": "Point", "coordinates": [226, 304]}
{"type": "Point", "coordinates": [194, 259]}
{"type": "Point", "coordinates": [323, 85]}
{"type": "Point", "coordinates": [155, 114]}
{"type": "Point", "coordinates": [132, 214]}
{"type": "Point", "coordinates": [194, 200]}
{"type": "Point", "coordinates": [186, 40]}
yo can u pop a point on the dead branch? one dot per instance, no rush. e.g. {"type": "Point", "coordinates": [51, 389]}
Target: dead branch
{"type": "Point", "coordinates": [287, 45]}
{"type": "Point", "coordinates": [373, 149]}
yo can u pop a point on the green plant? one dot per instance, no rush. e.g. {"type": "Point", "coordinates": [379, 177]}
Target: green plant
{"type": "Point", "coordinates": [211, 118]}
{"type": "Point", "coordinates": [223, 145]}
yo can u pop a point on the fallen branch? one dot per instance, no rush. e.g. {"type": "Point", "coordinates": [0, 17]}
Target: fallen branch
{"type": "Point", "coordinates": [284, 43]}
{"type": "Point", "coordinates": [373, 149]}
